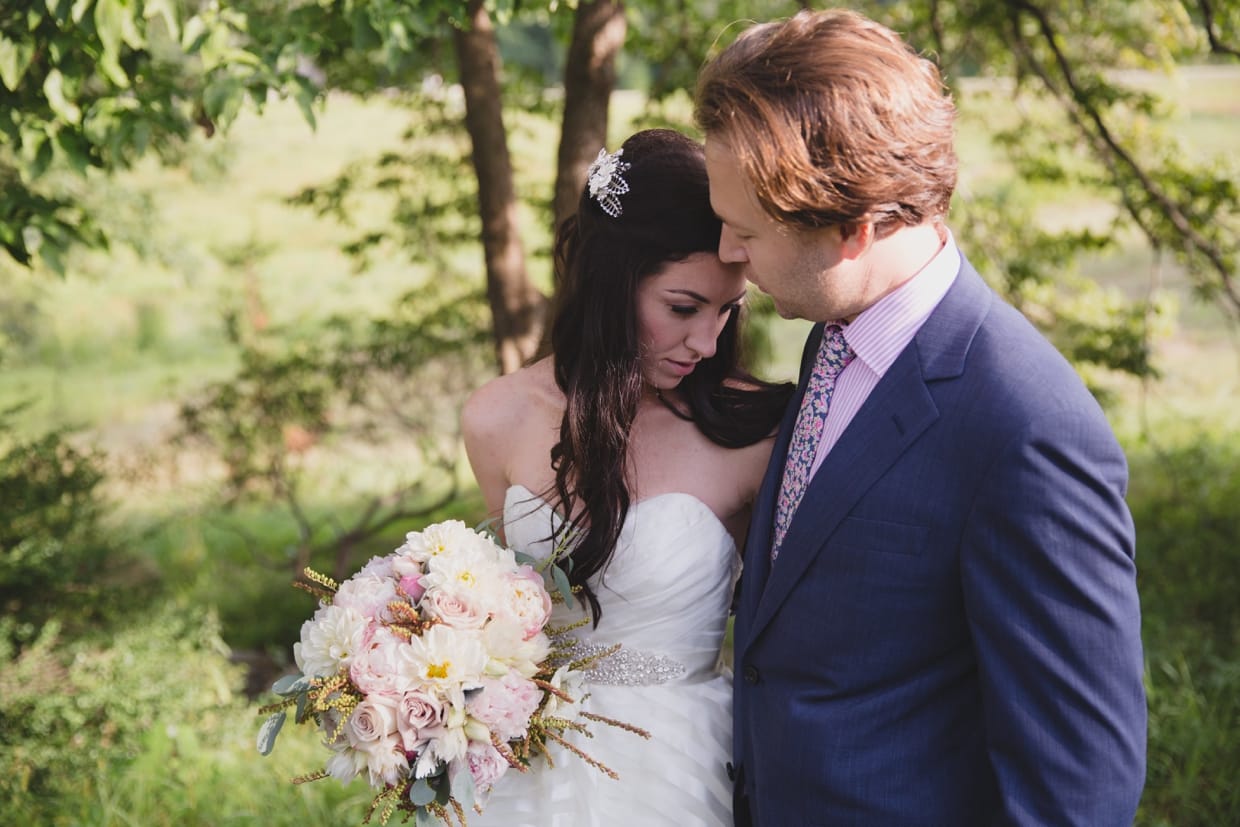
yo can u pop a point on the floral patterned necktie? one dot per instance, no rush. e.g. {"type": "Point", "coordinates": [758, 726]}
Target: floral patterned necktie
{"type": "Point", "coordinates": [834, 354]}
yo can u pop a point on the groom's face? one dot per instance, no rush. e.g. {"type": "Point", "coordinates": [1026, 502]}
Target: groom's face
{"type": "Point", "coordinates": [806, 272]}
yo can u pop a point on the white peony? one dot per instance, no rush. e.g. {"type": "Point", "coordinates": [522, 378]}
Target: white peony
{"type": "Point", "coordinates": [509, 648]}
{"type": "Point", "coordinates": [373, 669]}
{"type": "Point", "coordinates": [471, 573]}
{"type": "Point", "coordinates": [368, 595]}
{"type": "Point", "coordinates": [329, 641]}
{"type": "Point", "coordinates": [438, 540]}
{"type": "Point", "coordinates": [378, 567]}
{"type": "Point", "coordinates": [523, 599]}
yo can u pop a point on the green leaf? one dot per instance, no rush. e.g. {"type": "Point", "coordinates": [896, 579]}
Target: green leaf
{"type": "Point", "coordinates": [14, 61]}
{"type": "Point", "coordinates": [164, 9]}
{"type": "Point", "coordinates": [80, 7]}
{"type": "Point", "coordinates": [421, 793]}
{"type": "Point", "coordinates": [54, 89]}
{"type": "Point", "coordinates": [268, 731]}
{"type": "Point", "coordinates": [108, 24]}
{"type": "Point", "coordinates": [71, 146]}
{"type": "Point", "coordinates": [222, 100]}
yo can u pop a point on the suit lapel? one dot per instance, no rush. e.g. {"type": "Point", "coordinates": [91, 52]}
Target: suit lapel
{"type": "Point", "coordinates": [897, 412]}
{"type": "Point", "coordinates": [757, 557]}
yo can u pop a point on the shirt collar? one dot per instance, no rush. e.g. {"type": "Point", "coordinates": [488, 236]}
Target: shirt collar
{"type": "Point", "coordinates": [881, 332]}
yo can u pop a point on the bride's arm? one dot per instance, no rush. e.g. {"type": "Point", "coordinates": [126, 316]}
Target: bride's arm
{"type": "Point", "coordinates": [487, 425]}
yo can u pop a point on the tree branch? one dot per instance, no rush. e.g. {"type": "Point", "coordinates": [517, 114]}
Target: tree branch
{"type": "Point", "coordinates": [1217, 46]}
{"type": "Point", "coordinates": [1089, 120]}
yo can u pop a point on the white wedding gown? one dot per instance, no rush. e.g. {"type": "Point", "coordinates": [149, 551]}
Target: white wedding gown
{"type": "Point", "coordinates": [665, 597]}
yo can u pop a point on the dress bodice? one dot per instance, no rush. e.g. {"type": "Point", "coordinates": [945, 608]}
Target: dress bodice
{"type": "Point", "coordinates": [668, 586]}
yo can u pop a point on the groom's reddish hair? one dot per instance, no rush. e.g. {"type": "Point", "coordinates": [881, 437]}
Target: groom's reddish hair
{"type": "Point", "coordinates": [835, 121]}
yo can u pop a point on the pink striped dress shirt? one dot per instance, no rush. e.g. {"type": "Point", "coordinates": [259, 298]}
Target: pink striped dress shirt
{"type": "Point", "coordinates": [879, 334]}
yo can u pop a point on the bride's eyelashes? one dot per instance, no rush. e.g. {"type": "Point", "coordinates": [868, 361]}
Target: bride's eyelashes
{"type": "Point", "coordinates": [691, 309]}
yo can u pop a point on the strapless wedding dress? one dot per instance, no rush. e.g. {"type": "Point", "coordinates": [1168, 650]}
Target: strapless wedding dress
{"type": "Point", "coordinates": [665, 597]}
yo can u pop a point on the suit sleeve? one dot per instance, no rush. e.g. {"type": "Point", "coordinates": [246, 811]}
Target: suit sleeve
{"type": "Point", "coordinates": [1049, 586]}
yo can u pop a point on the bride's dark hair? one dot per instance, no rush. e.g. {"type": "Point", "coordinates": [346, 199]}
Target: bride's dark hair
{"type": "Point", "coordinates": [599, 261]}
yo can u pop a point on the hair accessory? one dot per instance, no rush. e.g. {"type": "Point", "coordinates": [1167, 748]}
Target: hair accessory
{"type": "Point", "coordinates": [606, 185]}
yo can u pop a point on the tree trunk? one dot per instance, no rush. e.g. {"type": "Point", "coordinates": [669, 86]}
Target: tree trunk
{"type": "Point", "coordinates": [589, 77]}
{"type": "Point", "coordinates": [517, 307]}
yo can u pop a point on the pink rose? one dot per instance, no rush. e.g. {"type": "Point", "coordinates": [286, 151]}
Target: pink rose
{"type": "Point", "coordinates": [453, 610]}
{"type": "Point", "coordinates": [505, 705]}
{"type": "Point", "coordinates": [419, 718]}
{"type": "Point", "coordinates": [373, 720]}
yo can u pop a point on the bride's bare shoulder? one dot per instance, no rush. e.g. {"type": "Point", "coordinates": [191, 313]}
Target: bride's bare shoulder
{"type": "Point", "coordinates": [505, 402]}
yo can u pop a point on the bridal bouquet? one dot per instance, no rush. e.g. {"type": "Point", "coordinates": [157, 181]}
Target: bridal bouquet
{"type": "Point", "coordinates": [432, 672]}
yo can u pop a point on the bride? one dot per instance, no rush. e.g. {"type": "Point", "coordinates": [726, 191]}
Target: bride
{"type": "Point", "coordinates": [640, 443]}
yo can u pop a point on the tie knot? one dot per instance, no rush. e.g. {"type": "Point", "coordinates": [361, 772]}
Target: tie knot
{"type": "Point", "coordinates": [835, 352]}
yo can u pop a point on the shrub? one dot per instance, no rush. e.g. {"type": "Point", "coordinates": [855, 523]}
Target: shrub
{"type": "Point", "coordinates": [70, 711]}
{"type": "Point", "coordinates": [1188, 537]}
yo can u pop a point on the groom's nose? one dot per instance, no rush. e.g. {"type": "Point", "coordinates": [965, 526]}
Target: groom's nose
{"type": "Point", "coordinates": [731, 250]}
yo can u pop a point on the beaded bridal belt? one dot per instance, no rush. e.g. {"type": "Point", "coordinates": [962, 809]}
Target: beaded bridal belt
{"type": "Point", "coordinates": [628, 667]}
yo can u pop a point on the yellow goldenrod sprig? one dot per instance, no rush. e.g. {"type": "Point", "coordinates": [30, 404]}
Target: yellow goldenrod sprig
{"type": "Point", "coordinates": [573, 748]}
{"type": "Point", "coordinates": [322, 579]}
{"type": "Point", "coordinates": [602, 719]}
{"type": "Point", "coordinates": [311, 776]}
{"type": "Point", "coordinates": [277, 706]}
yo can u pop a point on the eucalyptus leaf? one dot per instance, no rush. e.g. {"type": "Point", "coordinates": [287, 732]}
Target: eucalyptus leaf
{"type": "Point", "coordinates": [421, 793]}
{"type": "Point", "coordinates": [268, 731]}
{"type": "Point", "coordinates": [464, 790]}
{"type": "Point", "coordinates": [290, 685]}
{"type": "Point", "coordinates": [562, 584]}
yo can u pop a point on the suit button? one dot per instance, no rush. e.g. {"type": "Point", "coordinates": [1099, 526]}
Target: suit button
{"type": "Point", "coordinates": [751, 674]}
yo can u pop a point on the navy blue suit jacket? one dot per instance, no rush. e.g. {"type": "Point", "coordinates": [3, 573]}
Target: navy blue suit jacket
{"type": "Point", "coordinates": [951, 633]}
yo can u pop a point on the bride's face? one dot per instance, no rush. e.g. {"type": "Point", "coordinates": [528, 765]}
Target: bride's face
{"type": "Point", "coordinates": [681, 311]}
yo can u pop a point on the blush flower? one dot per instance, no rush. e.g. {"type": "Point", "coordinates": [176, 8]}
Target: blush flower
{"type": "Point", "coordinates": [506, 704]}
{"type": "Point", "coordinates": [419, 718]}
{"type": "Point", "coordinates": [454, 610]}
{"type": "Point", "coordinates": [525, 600]}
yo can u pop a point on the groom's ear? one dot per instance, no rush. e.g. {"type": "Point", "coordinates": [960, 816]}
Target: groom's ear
{"type": "Point", "coordinates": [855, 239]}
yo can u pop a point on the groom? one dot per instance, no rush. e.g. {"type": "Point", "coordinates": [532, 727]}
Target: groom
{"type": "Point", "coordinates": [938, 622]}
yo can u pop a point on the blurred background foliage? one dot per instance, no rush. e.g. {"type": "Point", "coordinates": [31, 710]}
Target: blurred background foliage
{"type": "Point", "coordinates": [254, 254]}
